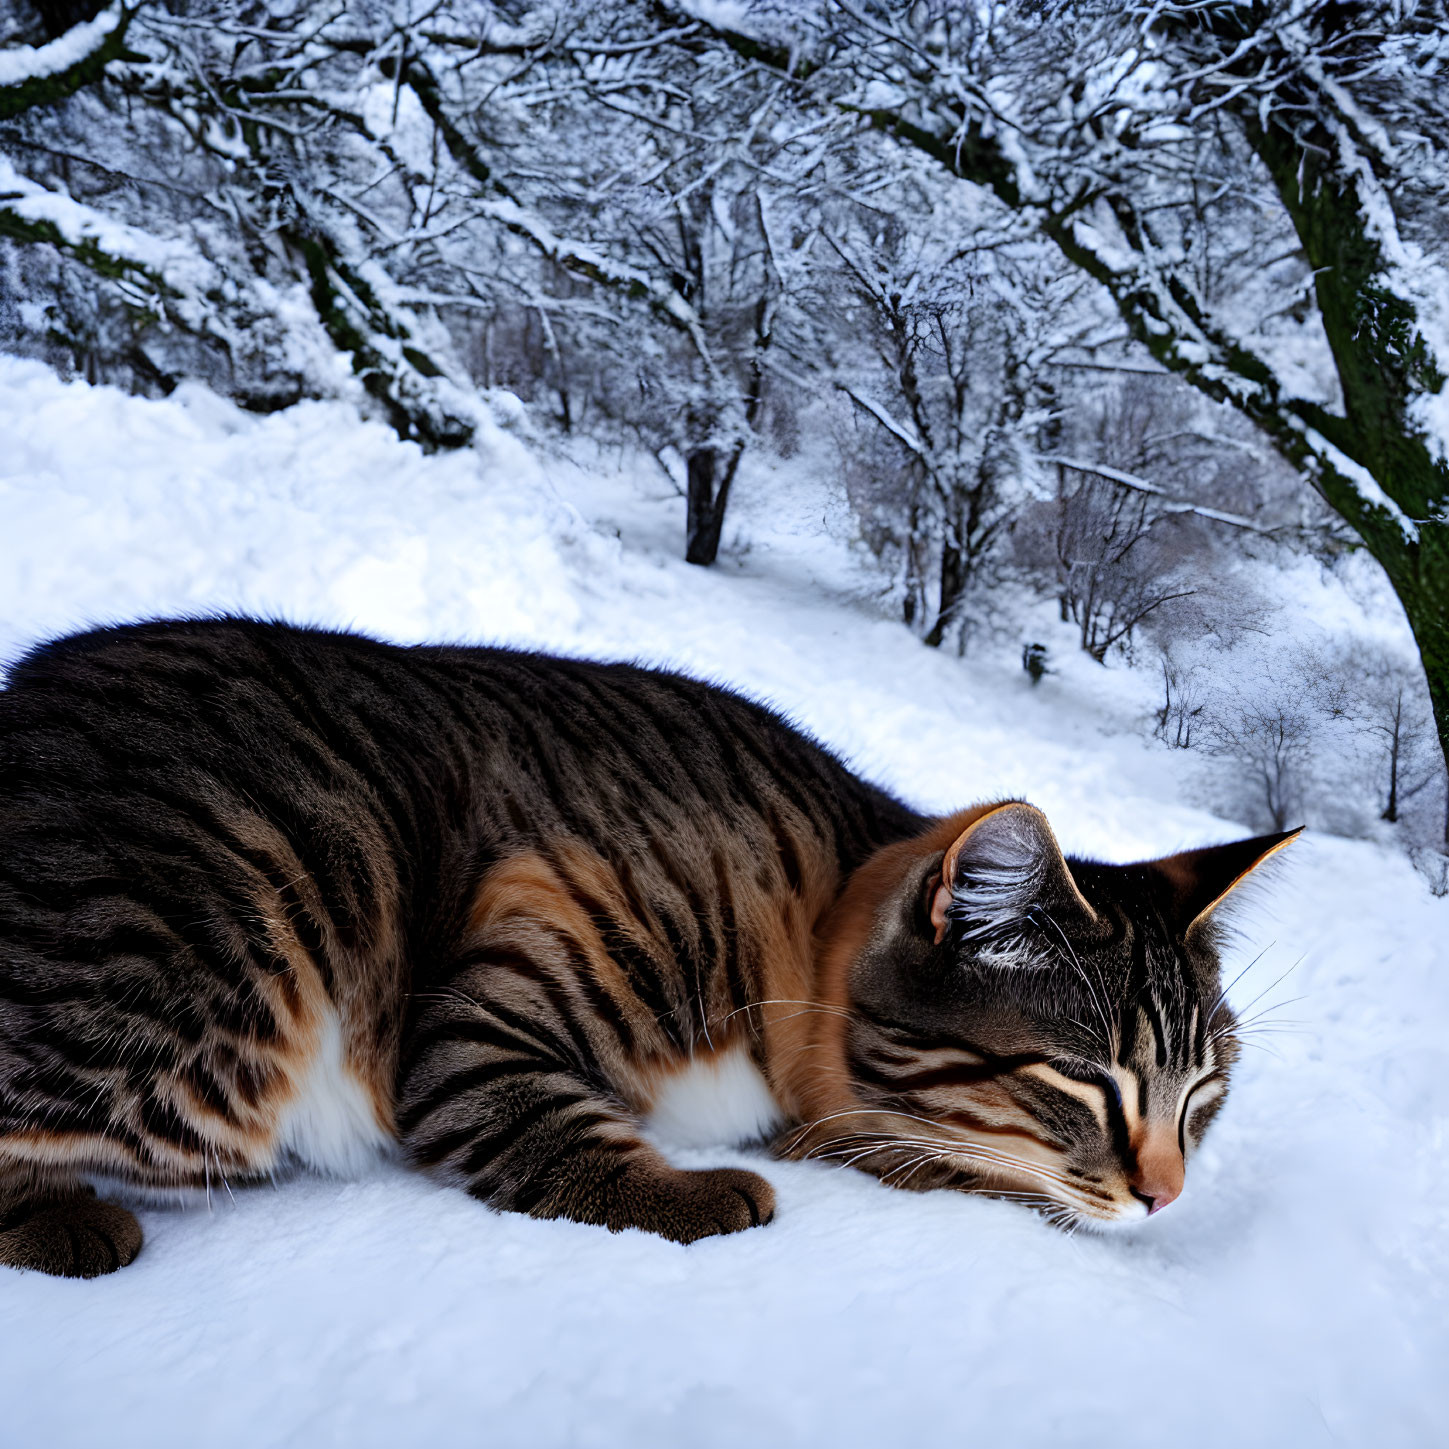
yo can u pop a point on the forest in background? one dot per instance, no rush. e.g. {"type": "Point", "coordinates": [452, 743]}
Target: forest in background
{"type": "Point", "coordinates": [1128, 308]}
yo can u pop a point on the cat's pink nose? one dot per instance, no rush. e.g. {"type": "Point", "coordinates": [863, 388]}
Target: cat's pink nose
{"type": "Point", "coordinates": [1158, 1180]}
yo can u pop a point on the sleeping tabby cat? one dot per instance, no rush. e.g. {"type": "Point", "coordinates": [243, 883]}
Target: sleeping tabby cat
{"type": "Point", "coordinates": [271, 894]}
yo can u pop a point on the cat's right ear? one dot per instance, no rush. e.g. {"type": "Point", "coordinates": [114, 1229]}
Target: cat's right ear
{"type": "Point", "coordinates": [1199, 881]}
{"type": "Point", "coordinates": [1004, 865]}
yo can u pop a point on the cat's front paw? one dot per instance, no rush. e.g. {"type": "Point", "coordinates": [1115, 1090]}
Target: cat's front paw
{"type": "Point", "coordinates": [687, 1206]}
{"type": "Point", "coordinates": [646, 1192]}
{"type": "Point", "coordinates": [75, 1237]}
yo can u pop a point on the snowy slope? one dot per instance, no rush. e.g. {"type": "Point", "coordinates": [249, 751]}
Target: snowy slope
{"type": "Point", "coordinates": [1296, 1296]}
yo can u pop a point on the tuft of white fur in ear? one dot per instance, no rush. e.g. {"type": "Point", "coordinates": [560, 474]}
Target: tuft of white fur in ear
{"type": "Point", "coordinates": [1004, 867]}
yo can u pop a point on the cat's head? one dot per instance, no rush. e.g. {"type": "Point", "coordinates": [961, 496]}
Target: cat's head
{"type": "Point", "coordinates": [1005, 1019]}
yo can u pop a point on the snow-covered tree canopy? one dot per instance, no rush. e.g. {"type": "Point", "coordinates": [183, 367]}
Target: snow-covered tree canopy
{"type": "Point", "coordinates": [657, 218]}
{"type": "Point", "coordinates": [1260, 188]}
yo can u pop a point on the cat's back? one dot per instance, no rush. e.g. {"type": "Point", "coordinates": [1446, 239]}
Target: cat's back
{"type": "Point", "coordinates": [171, 700]}
{"type": "Point", "coordinates": [403, 771]}
{"type": "Point", "coordinates": [201, 680]}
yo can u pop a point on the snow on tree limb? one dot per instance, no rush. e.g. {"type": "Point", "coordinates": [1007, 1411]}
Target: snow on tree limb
{"type": "Point", "coordinates": [103, 243]}
{"type": "Point", "coordinates": [40, 75]}
{"type": "Point", "coordinates": [1166, 501]}
{"type": "Point", "coordinates": [902, 434]}
{"type": "Point", "coordinates": [1363, 483]}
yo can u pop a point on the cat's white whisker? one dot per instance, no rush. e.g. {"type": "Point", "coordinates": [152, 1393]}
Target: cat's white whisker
{"type": "Point", "coordinates": [1275, 982]}
{"type": "Point", "coordinates": [811, 1007]}
{"type": "Point", "coordinates": [1223, 994]}
{"type": "Point", "coordinates": [945, 1149]}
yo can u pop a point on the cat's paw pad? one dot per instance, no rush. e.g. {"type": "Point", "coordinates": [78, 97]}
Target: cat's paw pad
{"type": "Point", "coordinates": [79, 1238]}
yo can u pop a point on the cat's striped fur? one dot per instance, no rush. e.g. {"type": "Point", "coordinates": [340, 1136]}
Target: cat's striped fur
{"type": "Point", "coordinates": [271, 894]}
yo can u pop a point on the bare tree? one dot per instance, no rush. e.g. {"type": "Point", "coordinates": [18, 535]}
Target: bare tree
{"type": "Point", "coordinates": [1266, 726]}
{"type": "Point", "coordinates": [1387, 703]}
{"type": "Point", "coordinates": [1118, 561]}
{"type": "Point", "coordinates": [1339, 729]}
{"type": "Point", "coordinates": [1126, 544]}
{"type": "Point", "coordinates": [951, 381]}
{"type": "Point", "coordinates": [1183, 699]}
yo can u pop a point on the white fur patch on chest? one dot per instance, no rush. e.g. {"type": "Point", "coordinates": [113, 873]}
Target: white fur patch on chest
{"type": "Point", "coordinates": [714, 1101]}
{"type": "Point", "coordinates": [331, 1124]}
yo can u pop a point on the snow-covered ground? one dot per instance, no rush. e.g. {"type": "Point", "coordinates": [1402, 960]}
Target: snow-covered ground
{"type": "Point", "coordinates": [1297, 1295]}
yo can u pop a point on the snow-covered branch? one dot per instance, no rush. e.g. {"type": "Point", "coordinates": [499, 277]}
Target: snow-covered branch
{"type": "Point", "coordinates": [899, 431]}
{"type": "Point", "coordinates": [1165, 501]}
{"type": "Point", "coordinates": [43, 74]}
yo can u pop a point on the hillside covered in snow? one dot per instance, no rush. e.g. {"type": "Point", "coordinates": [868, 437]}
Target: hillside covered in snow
{"type": "Point", "coordinates": [1295, 1296]}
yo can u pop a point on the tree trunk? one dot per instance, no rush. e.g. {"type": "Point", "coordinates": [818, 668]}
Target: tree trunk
{"type": "Point", "coordinates": [708, 476]}
{"type": "Point", "coordinates": [1391, 810]}
{"type": "Point", "coordinates": [1384, 367]}
{"type": "Point", "coordinates": [953, 584]}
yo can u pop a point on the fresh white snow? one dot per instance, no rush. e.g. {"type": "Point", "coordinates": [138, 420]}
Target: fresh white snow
{"type": "Point", "coordinates": [21, 63]}
{"type": "Point", "coordinates": [1296, 1295]}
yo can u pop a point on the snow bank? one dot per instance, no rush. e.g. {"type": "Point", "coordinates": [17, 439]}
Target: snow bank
{"type": "Point", "coordinates": [1295, 1296]}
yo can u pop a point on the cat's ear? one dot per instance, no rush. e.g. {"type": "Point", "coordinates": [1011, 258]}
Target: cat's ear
{"type": "Point", "coordinates": [1004, 865]}
{"type": "Point", "coordinates": [1198, 881]}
